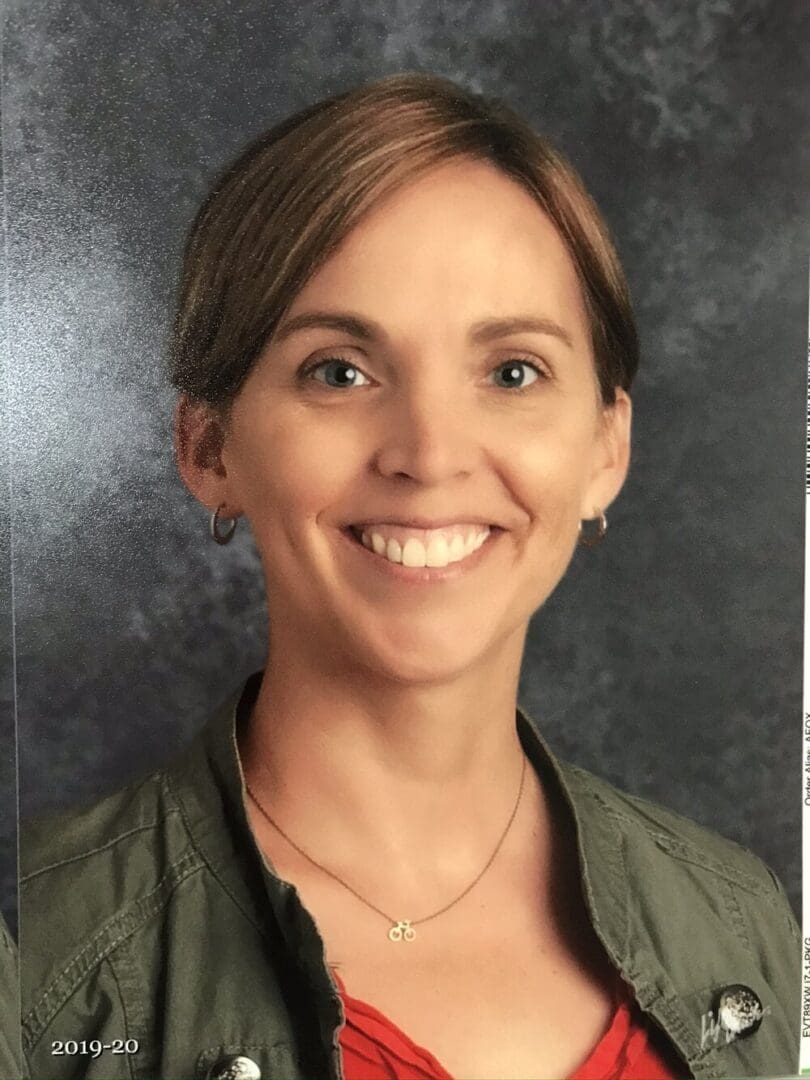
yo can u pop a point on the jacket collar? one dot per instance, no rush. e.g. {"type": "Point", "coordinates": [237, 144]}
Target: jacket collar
{"type": "Point", "coordinates": [606, 882]}
{"type": "Point", "coordinates": [674, 977]}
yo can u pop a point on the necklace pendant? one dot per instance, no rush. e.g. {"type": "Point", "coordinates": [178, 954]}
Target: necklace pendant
{"type": "Point", "coordinates": [402, 931]}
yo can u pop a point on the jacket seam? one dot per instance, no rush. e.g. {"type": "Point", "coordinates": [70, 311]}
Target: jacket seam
{"type": "Point", "coordinates": [687, 852]}
{"type": "Point", "coordinates": [639, 804]}
{"type": "Point", "coordinates": [96, 850]}
{"type": "Point", "coordinates": [116, 931]}
{"type": "Point", "coordinates": [738, 920]}
{"type": "Point", "coordinates": [114, 973]}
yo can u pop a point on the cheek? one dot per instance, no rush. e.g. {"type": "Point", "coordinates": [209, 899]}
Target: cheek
{"type": "Point", "coordinates": [294, 463]}
{"type": "Point", "coordinates": [549, 469]}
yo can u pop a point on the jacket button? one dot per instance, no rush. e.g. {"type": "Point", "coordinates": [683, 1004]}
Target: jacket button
{"type": "Point", "coordinates": [739, 1010]}
{"type": "Point", "coordinates": [235, 1067]}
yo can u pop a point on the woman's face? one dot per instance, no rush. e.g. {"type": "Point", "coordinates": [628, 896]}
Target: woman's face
{"type": "Point", "coordinates": [421, 424]}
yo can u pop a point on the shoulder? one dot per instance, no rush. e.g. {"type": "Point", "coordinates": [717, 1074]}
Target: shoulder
{"type": "Point", "coordinates": [129, 903]}
{"type": "Point", "coordinates": [721, 888]}
{"type": "Point", "coordinates": [91, 879]}
{"type": "Point", "coordinates": [123, 828]}
{"type": "Point", "coordinates": [677, 837]}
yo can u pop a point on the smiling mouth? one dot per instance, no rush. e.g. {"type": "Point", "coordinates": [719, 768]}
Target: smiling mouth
{"type": "Point", "coordinates": [432, 548]}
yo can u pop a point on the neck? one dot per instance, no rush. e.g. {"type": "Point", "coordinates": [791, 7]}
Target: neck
{"type": "Point", "coordinates": [423, 777]}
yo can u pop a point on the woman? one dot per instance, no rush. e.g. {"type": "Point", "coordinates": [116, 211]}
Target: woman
{"type": "Point", "coordinates": [404, 348]}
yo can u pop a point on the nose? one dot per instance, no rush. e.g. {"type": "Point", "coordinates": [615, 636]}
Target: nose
{"type": "Point", "coordinates": [427, 434]}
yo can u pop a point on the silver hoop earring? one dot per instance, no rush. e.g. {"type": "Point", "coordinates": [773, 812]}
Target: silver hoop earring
{"type": "Point", "coordinates": [592, 541]}
{"type": "Point", "coordinates": [223, 537]}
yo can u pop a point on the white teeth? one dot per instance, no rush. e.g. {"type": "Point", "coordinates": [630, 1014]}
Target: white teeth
{"type": "Point", "coordinates": [438, 553]}
{"type": "Point", "coordinates": [393, 552]}
{"type": "Point", "coordinates": [413, 553]}
{"type": "Point", "coordinates": [458, 548]}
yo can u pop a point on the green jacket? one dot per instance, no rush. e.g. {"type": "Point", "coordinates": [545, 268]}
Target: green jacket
{"type": "Point", "coordinates": [10, 1048]}
{"type": "Point", "coordinates": [152, 925]}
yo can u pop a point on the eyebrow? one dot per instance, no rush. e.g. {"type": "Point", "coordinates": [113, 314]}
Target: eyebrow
{"type": "Point", "coordinates": [368, 330]}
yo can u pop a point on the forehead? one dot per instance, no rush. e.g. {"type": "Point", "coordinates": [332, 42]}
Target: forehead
{"type": "Point", "coordinates": [461, 240]}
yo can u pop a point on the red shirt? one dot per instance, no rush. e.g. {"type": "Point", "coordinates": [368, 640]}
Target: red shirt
{"type": "Point", "coordinates": [375, 1049]}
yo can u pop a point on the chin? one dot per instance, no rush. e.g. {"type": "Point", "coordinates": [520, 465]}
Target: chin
{"type": "Point", "coordinates": [441, 656]}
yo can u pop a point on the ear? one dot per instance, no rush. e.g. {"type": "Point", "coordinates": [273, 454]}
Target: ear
{"type": "Point", "coordinates": [612, 459]}
{"type": "Point", "coordinates": [200, 432]}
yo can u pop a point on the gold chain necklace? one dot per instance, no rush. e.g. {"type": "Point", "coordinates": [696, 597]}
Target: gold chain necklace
{"type": "Point", "coordinates": [400, 929]}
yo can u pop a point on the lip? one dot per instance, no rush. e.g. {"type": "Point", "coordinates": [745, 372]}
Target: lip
{"type": "Point", "coordinates": [419, 575]}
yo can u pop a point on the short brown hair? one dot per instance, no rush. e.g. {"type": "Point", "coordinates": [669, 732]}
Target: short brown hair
{"type": "Point", "coordinates": [286, 203]}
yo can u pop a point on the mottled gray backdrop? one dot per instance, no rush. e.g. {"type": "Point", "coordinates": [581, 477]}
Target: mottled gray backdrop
{"type": "Point", "coordinates": [8, 774]}
{"type": "Point", "coordinates": [669, 659]}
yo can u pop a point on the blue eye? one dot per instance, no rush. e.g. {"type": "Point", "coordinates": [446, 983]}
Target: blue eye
{"type": "Point", "coordinates": [339, 374]}
{"type": "Point", "coordinates": [344, 373]}
{"type": "Point", "coordinates": [515, 370]}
